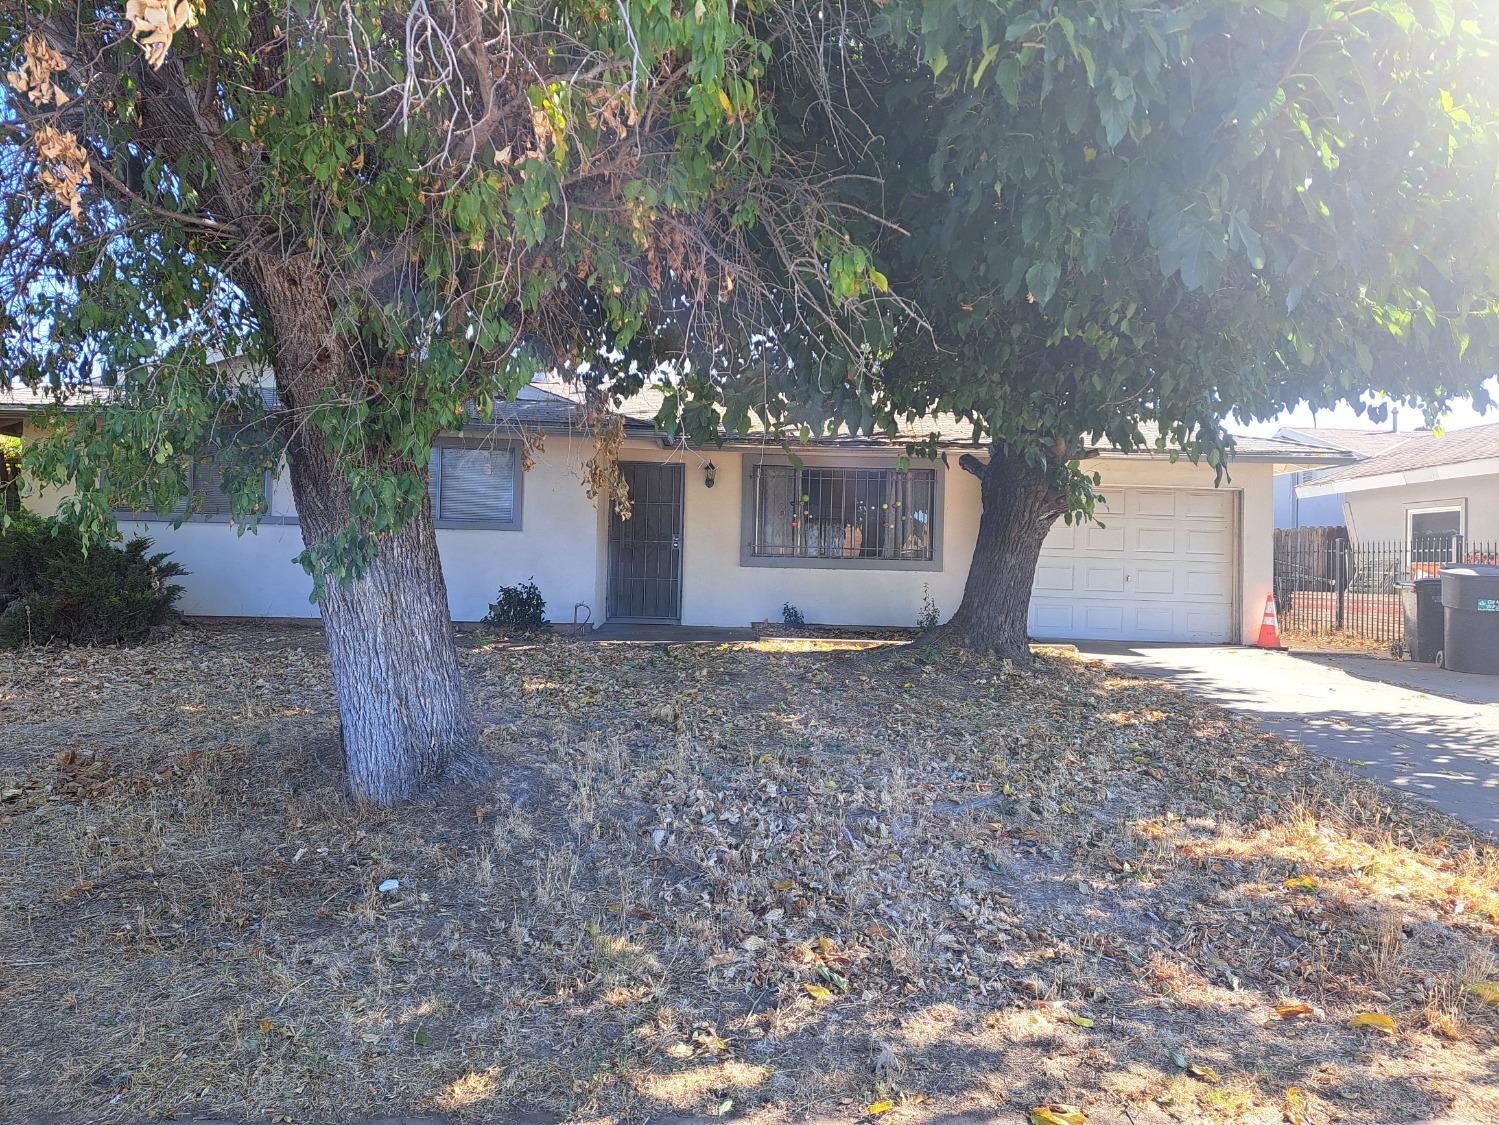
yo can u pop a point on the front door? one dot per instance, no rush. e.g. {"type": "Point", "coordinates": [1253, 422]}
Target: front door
{"type": "Point", "coordinates": [645, 551]}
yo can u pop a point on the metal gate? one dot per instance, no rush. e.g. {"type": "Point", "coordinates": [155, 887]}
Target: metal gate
{"type": "Point", "coordinates": [645, 551]}
{"type": "Point", "coordinates": [1325, 584]}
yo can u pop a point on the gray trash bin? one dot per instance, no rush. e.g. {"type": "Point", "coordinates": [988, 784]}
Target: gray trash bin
{"type": "Point", "coordinates": [1421, 600]}
{"type": "Point", "coordinates": [1470, 608]}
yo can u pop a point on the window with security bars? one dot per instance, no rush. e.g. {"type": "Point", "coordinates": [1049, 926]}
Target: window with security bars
{"type": "Point", "coordinates": [473, 487]}
{"type": "Point", "coordinates": [827, 513]}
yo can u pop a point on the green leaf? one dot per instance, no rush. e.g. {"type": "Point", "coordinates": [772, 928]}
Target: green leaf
{"type": "Point", "coordinates": [1041, 279]}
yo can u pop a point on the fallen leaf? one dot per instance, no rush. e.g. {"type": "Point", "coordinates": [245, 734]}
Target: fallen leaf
{"type": "Point", "coordinates": [1082, 1021]}
{"type": "Point", "coordinates": [1376, 1020]}
{"type": "Point", "coordinates": [1057, 1113]}
{"type": "Point", "coordinates": [1204, 1072]}
{"type": "Point", "coordinates": [819, 992]}
{"type": "Point", "coordinates": [884, 1105]}
{"type": "Point", "coordinates": [1293, 1011]}
{"type": "Point", "coordinates": [1305, 884]}
{"type": "Point", "coordinates": [1294, 1112]}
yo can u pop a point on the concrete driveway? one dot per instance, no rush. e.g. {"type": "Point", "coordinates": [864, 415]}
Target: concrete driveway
{"type": "Point", "coordinates": [1430, 733]}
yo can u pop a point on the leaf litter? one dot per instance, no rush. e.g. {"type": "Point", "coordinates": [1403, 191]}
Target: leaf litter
{"type": "Point", "coordinates": [786, 877]}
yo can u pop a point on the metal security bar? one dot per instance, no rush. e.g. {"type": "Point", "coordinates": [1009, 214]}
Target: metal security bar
{"type": "Point", "coordinates": [645, 551]}
{"type": "Point", "coordinates": [1326, 585]}
{"type": "Point", "coordinates": [827, 513]}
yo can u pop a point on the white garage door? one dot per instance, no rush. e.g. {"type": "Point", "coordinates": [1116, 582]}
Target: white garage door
{"type": "Point", "coordinates": [1161, 568]}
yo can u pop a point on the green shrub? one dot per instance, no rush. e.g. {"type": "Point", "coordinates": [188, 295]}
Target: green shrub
{"type": "Point", "coordinates": [51, 591]}
{"type": "Point", "coordinates": [792, 617]}
{"type": "Point", "coordinates": [518, 609]}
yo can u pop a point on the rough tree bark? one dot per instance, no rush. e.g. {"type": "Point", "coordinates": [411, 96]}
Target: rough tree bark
{"type": "Point", "coordinates": [405, 720]}
{"type": "Point", "coordinates": [1020, 504]}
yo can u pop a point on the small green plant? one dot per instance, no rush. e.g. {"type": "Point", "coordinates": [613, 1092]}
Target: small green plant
{"type": "Point", "coordinates": [51, 591]}
{"type": "Point", "coordinates": [930, 616]}
{"type": "Point", "coordinates": [518, 609]}
{"type": "Point", "coordinates": [792, 617]}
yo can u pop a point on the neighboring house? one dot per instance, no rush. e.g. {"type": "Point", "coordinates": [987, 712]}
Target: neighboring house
{"type": "Point", "coordinates": [726, 536]}
{"type": "Point", "coordinates": [1433, 491]}
{"type": "Point", "coordinates": [1326, 510]}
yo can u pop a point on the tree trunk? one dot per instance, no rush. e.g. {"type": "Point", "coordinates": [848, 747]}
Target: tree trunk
{"type": "Point", "coordinates": [1020, 504]}
{"type": "Point", "coordinates": [405, 720]}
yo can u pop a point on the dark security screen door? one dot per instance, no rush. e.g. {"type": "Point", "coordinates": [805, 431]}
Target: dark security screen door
{"type": "Point", "coordinates": [645, 551]}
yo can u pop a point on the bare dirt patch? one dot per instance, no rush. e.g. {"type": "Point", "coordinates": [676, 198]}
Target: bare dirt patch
{"type": "Point", "coordinates": [762, 880]}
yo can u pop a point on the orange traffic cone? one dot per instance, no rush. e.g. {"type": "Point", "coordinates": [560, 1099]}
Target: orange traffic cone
{"type": "Point", "coordinates": [1269, 626]}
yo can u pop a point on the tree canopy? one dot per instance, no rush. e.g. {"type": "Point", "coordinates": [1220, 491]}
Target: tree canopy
{"type": "Point", "coordinates": [1123, 212]}
{"type": "Point", "coordinates": [1123, 220]}
{"type": "Point", "coordinates": [479, 190]}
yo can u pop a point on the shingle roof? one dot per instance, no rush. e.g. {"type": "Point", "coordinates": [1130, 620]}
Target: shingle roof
{"type": "Point", "coordinates": [555, 404]}
{"type": "Point", "coordinates": [1365, 443]}
{"type": "Point", "coordinates": [1424, 450]}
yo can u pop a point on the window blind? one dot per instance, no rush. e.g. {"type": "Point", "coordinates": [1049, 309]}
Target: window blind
{"type": "Point", "coordinates": [472, 485]}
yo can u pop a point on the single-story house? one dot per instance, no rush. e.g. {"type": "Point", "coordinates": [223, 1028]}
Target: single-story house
{"type": "Point", "coordinates": [1435, 491]}
{"type": "Point", "coordinates": [1292, 510]}
{"type": "Point", "coordinates": [725, 536]}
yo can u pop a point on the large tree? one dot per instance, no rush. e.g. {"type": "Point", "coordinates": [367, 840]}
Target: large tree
{"type": "Point", "coordinates": [398, 209]}
{"type": "Point", "coordinates": [1124, 219]}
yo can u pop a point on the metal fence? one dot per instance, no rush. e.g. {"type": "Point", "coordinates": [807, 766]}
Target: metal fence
{"type": "Point", "coordinates": [1327, 585]}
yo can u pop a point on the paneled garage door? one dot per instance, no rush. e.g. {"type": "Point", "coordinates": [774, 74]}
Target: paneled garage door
{"type": "Point", "coordinates": [1161, 568]}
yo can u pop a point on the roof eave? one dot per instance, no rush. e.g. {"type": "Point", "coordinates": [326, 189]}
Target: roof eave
{"type": "Point", "coordinates": [1461, 470]}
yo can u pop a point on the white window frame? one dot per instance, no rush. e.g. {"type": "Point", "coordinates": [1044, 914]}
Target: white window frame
{"type": "Point", "coordinates": [1433, 509]}
{"type": "Point", "coordinates": [518, 477]}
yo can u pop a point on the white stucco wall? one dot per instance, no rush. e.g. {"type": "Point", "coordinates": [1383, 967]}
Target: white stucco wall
{"type": "Point", "coordinates": [717, 590]}
{"type": "Point", "coordinates": [562, 544]}
{"type": "Point", "coordinates": [1378, 515]}
{"type": "Point", "coordinates": [253, 575]}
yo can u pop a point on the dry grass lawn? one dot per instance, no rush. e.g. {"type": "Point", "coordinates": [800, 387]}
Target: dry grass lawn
{"type": "Point", "coordinates": [764, 881]}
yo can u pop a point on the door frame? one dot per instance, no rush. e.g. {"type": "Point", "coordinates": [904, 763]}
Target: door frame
{"type": "Point", "coordinates": [612, 522]}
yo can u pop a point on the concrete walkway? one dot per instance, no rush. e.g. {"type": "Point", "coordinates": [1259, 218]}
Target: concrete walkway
{"type": "Point", "coordinates": [1431, 733]}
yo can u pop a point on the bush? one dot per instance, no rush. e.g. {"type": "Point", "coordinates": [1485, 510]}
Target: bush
{"type": "Point", "coordinates": [51, 591]}
{"type": "Point", "coordinates": [792, 617]}
{"type": "Point", "coordinates": [930, 616]}
{"type": "Point", "coordinates": [518, 609]}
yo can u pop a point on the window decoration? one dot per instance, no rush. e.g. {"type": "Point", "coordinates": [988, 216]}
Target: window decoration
{"type": "Point", "coordinates": [844, 513]}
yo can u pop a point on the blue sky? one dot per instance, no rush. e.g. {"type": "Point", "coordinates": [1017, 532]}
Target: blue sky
{"type": "Point", "coordinates": [1344, 417]}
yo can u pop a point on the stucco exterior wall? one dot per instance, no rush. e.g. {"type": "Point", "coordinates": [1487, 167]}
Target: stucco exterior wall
{"type": "Point", "coordinates": [1378, 515]}
{"type": "Point", "coordinates": [562, 543]}
{"type": "Point", "coordinates": [717, 590]}
{"type": "Point", "coordinates": [41, 501]}
{"type": "Point", "coordinates": [253, 575]}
